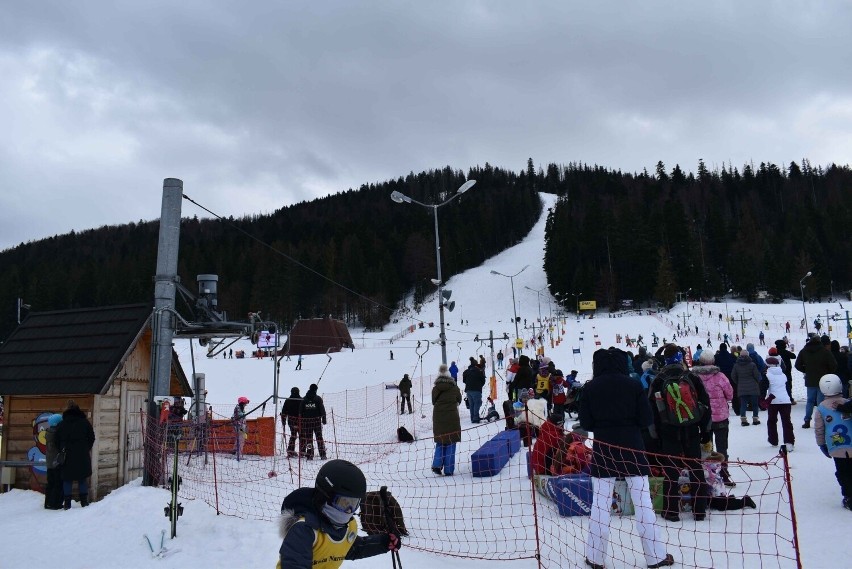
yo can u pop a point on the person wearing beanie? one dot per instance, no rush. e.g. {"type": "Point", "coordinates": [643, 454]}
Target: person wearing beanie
{"type": "Point", "coordinates": [787, 358]}
{"type": "Point", "coordinates": [446, 424]}
{"type": "Point", "coordinates": [290, 417]}
{"type": "Point", "coordinates": [755, 357]}
{"type": "Point", "coordinates": [814, 361]}
{"type": "Point", "coordinates": [312, 413]}
{"type": "Point", "coordinates": [779, 404]}
{"type": "Point", "coordinates": [842, 360]}
{"type": "Point", "coordinates": [405, 394]}
{"type": "Point", "coordinates": [615, 409]}
{"type": "Point", "coordinates": [720, 392]}
{"type": "Point", "coordinates": [474, 380]}
{"type": "Point", "coordinates": [53, 492]}
{"type": "Point", "coordinates": [524, 377]}
{"type": "Point", "coordinates": [725, 361]}
{"type": "Point", "coordinates": [747, 379]}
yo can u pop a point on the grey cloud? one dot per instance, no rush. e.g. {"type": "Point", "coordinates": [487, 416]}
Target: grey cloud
{"type": "Point", "coordinates": [272, 103]}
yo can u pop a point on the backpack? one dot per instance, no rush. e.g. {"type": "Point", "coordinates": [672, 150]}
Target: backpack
{"type": "Point", "coordinates": [404, 436]}
{"type": "Point", "coordinates": [677, 399]}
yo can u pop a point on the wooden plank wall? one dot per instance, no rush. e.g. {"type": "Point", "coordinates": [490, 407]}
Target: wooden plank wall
{"type": "Point", "coordinates": [18, 430]}
{"type": "Point", "coordinates": [105, 454]}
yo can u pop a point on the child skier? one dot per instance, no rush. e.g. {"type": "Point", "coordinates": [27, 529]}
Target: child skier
{"type": "Point", "coordinates": [835, 443]}
{"type": "Point", "coordinates": [317, 524]}
{"type": "Point", "coordinates": [239, 421]}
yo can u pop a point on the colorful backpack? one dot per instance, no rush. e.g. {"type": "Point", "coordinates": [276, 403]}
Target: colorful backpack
{"type": "Point", "coordinates": [676, 397]}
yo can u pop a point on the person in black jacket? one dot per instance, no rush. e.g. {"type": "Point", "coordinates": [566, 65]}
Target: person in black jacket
{"type": "Point", "coordinates": [290, 418]}
{"type": "Point", "coordinates": [615, 408]}
{"type": "Point", "coordinates": [524, 378]}
{"type": "Point", "coordinates": [312, 412]}
{"type": "Point", "coordinates": [725, 361]}
{"type": "Point", "coordinates": [787, 357]}
{"type": "Point", "coordinates": [77, 437]}
{"type": "Point", "coordinates": [318, 527]}
{"type": "Point", "coordinates": [682, 444]}
{"type": "Point", "coordinates": [474, 380]}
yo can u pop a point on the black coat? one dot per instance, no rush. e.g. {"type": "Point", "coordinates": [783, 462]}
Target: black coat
{"type": "Point", "coordinates": [615, 408]}
{"type": "Point", "coordinates": [725, 361]}
{"type": "Point", "coordinates": [473, 378]}
{"type": "Point", "coordinates": [525, 377]}
{"type": "Point", "coordinates": [815, 361]}
{"type": "Point", "coordinates": [312, 407]}
{"type": "Point", "coordinates": [76, 435]}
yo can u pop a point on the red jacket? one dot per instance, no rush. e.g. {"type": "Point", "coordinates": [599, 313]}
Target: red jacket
{"type": "Point", "coordinates": [546, 444]}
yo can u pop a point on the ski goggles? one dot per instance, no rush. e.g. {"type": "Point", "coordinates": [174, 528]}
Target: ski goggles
{"type": "Point", "coordinates": [345, 504]}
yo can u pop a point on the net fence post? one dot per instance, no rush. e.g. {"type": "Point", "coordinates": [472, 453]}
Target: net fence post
{"type": "Point", "coordinates": [788, 482]}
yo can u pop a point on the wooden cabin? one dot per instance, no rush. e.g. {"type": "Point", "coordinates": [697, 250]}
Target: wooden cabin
{"type": "Point", "coordinates": [100, 358]}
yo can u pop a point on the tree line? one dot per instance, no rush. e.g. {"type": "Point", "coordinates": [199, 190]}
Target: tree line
{"type": "Point", "coordinates": [611, 236]}
{"type": "Point", "coordinates": [354, 255]}
{"type": "Point", "coordinates": [752, 232]}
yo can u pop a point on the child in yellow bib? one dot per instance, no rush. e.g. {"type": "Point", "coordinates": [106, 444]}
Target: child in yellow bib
{"type": "Point", "coordinates": [317, 524]}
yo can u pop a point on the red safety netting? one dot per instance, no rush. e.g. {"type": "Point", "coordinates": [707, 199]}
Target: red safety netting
{"type": "Point", "coordinates": [490, 508]}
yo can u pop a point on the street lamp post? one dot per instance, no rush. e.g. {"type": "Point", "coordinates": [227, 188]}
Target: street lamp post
{"type": "Point", "coordinates": [686, 296]}
{"type": "Point", "coordinates": [804, 311]}
{"type": "Point", "coordinates": [402, 198]}
{"type": "Point", "coordinates": [512, 281]}
{"type": "Point", "coordinates": [728, 316]}
{"type": "Point", "coordinates": [538, 292]}
{"type": "Point", "coordinates": [577, 296]}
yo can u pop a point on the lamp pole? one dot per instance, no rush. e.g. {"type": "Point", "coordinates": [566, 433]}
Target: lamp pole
{"type": "Point", "coordinates": [728, 316]}
{"type": "Point", "coordinates": [577, 296]}
{"type": "Point", "coordinates": [512, 281]}
{"type": "Point", "coordinates": [686, 296]}
{"type": "Point", "coordinates": [402, 198]}
{"type": "Point", "coordinates": [538, 292]}
{"type": "Point", "coordinates": [804, 310]}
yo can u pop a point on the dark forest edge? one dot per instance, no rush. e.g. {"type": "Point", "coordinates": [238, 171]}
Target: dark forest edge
{"type": "Point", "coordinates": [612, 236]}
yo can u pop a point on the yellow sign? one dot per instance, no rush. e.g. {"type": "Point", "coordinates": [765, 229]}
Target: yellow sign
{"type": "Point", "coordinates": [588, 305]}
{"type": "Point", "coordinates": [519, 343]}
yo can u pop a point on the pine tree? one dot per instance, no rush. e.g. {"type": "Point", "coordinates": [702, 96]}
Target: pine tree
{"type": "Point", "coordinates": [664, 291]}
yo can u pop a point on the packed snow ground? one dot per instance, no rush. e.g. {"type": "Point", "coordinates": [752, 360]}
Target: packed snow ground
{"type": "Point", "coordinates": [109, 533]}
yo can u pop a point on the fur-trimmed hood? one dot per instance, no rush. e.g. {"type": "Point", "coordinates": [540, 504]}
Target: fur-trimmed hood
{"type": "Point", "coordinates": [705, 369]}
{"type": "Point", "coordinates": [299, 504]}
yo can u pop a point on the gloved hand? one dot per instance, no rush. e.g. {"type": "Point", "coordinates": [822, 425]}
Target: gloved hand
{"type": "Point", "coordinates": [394, 543]}
{"type": "Point", "coordinates": [323, 421]}
{"type": "Point", "coordinates": [824, 449]}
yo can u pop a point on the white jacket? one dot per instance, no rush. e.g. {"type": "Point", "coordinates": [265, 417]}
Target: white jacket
{"type": "Point", "coordinates": [777, 386]}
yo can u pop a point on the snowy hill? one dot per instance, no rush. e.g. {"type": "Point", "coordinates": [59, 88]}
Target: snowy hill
{"type": "Point", "coordinates": [109, 533]}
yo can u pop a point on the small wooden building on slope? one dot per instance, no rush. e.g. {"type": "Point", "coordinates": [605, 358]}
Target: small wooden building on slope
{"type": "Point", "coordinates": [317, 336]}
{"type": "Point", "coordinates": [100, 358]}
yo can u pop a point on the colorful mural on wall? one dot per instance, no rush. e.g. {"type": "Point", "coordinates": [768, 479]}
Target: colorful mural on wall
{"type": "Point", "coordinates": [37, 453]}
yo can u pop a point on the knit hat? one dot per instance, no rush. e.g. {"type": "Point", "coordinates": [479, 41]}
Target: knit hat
{"type": "Point", "coordinates": [772, 361]}
{"type": "Point", "coordinates": [294, 392]}
{"type": "Point", "coordinates": [706, 357]}
{"type": "Point", "coordinates": [750, 347]}
{"type": "Point", "coordinates": [442, 369]}
{"type": "Point", "coordinates": [825, 340]}
{"type": "Point", "coordinates": [647, 364]}
{"type": "Point", "coordinates": [773, 351]}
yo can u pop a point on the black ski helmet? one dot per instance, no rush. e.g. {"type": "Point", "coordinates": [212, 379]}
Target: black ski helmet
{"type": "Point", "coordinates": [341, 477]}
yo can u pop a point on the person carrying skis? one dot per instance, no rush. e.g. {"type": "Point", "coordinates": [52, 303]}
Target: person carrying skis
{"type": "Point", "coordinates": [317, 525]}
{"type": "Point", "coordinates": [238, 419]}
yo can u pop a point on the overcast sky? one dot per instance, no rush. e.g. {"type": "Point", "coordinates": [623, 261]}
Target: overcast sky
{"type": "Point", "coordinates": [257, 105]}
